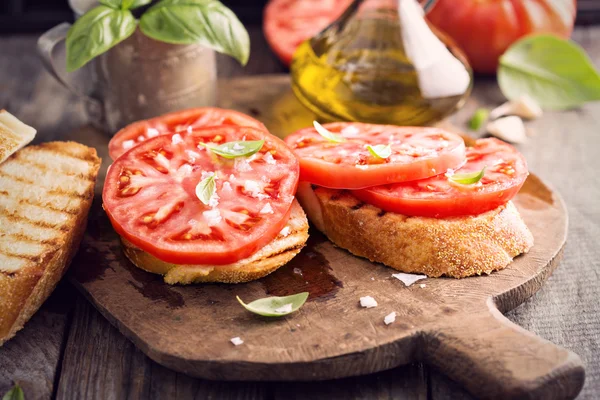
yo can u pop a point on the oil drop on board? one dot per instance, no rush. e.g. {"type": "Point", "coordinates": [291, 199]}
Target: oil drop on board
{"type": "Point", "coordinates": [380, 63]}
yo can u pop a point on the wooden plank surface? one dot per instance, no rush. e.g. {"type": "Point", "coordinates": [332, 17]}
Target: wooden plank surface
{"type": "Point", "coordinates": [564, 151]}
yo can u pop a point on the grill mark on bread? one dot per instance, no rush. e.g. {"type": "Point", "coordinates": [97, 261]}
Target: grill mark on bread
{"type": "Point", "coordinates": [24, 238]}
{"type": "Point", "coordinates": [72, 211]}
{"type": "Point", "coordinates": [357, 206]}
{"type": "Point", "coordinates": [45, 168]}
{"type": "Point", "coordinates": [57, 191]}
{"type": "Point", "coordinates": [16, 217]}
{"type": "Point", "coordinates": [59, 148]}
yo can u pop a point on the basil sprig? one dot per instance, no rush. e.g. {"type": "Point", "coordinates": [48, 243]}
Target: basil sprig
{"type": "Point", "coordinates": [95, 32]}
{"type": "Point", "coordinates": [554, 72]}
{"type": "Point", "coordinates": [242, 148]}
{"type": "Point", "coordinates": [468, 178]}
{"type": "Point", "coordinates": [16, 393]}
{"type": "Point", "coordinates": [276, 306]}
{"type": "Point", "coordinates": [380, 150]}
{"type": "Point", "coordinates": [330, 136]}
{"type": "Point", "coordinates": [207, 22]}
{"type": "Point", "coordinates": [206, 189]}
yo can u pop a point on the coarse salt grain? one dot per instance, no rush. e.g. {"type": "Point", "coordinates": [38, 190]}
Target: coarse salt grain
{"type": "Point", "coordinates": [391, 317]}
{"type": "Point", "coordinates": [236, 146]}
{"type": "Point", "coordinates": [213, 217]}
{"type": "Point", "coordinates": [236, 341]}
{"type": "Point", "coordinates": [269, 159]}
{"type": "Point", "coordinates": [408, 279]}
{"type": "Point", "coordinates": [267, 209]}
{"type": "Point", "coordinates": [176, 139]}
{"type": "Point", "coordinates": [368, 302]}
{"type": "Point", "coordinates": [151, 132]}
{"type": "Point", "coordinates": [285, 231]}
{"type": "Point", "coordinates": [284, 309]}
{"type": "Point", "coordinates": [128, 144]}
{"type": "Point", "coordinates": [226, 187]}
{"type": "Point", "coordinates": [242, 165]}
{"type": "Point", "coordinates": [422, 285]}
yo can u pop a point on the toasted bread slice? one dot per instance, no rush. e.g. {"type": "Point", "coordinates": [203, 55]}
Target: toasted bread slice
{"type": "Point", "coordinates": [14, 135]}
{"type": "Point", "coordinates": [456, 247]}
{"type": "Point", "coordinates": [45, 195]}
{"type": "Point", "coordinates": [281, 250]}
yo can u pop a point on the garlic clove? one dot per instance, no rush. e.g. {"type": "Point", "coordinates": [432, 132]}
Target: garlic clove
{"type": "Point", "coordinates": [524, 107]}
{"type": "Point", "coordinates": [510, 129]}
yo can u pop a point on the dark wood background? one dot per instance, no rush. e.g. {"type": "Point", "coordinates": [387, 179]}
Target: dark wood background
{"type": "Point", "coordinates": [69, 351]}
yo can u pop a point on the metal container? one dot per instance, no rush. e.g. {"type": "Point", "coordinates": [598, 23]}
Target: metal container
{"type": "Point", "coordinates": [137, 79]}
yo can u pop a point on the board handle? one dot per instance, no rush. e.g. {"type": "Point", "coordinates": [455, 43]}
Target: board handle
{"type": "Point", "coordinates": [494, 358]}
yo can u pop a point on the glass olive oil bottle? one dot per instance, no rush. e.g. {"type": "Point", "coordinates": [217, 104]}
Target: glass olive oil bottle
{"type": "Point", "coordinates": [380, 62]}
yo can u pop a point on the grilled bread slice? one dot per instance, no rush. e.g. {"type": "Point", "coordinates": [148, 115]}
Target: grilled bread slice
{"type": "Point", "coordinates": [282, 249]}
{"type": "Point", "coordinates": [45, 195]}
{"type": "Point", "coordinates": [456, 247]}
{"type": "Point", "coordinates": [14, 134]}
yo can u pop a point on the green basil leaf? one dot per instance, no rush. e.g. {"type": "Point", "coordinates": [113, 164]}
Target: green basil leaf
{"type": "Point", "coordinates": [207, 22]}
{"type": "Point", "coordinates": [125, 4]}
{"type": "Point", "coordinates": [479, 118]}
{"type": "Point", "coordinates": [132, 4]}
{"type": "Point", "coordinates": [206, 189]}
{"type": "Point", "coordinates": [468, 178]}
{"type": "Point", "coordinates": [95, 32]}
{"type": "Point", "coordinates": [556, 73]}
{"type": "Point", "coordinates": [276, 306]}
{"type": "Point", "coordinates": [380, 150]}
{"type": "Point", "coordinates": [16, 393]}
{"type": "Point", "coordinates": [111, 3]}
{"type": "Point", "coordinates": [332, 137]}
{"type": "Point", "coordinates": [236, 149]}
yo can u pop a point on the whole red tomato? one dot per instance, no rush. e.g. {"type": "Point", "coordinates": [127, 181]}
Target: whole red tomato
{"type": "Point", "coordinates": [485, 28]}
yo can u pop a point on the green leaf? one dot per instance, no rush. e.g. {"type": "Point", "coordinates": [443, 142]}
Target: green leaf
{"type": "Point", "coordinates": [206, 189]}
{"type": "Point", "coordinates": [556, 73]}
{"type": "Point", "coordinates": [236, 149]}
{"type": "Point", "coordinates": [276, 306]}
{"type": "Point", "coordinates": [479, 118]}
{"type": "Point", "coordinates": [132, 4]}
{"type": "Point", "coordinates": [468, 178]}
{"type": "Point", "coordinates": [95, 32]}
{"type": "Point", "coordinates": [16, 393]}
{"type": "Point", "coordinates": [125, 4]}
{"type": "Point", "coordinates": [332, 137]}
{"type": "Point", "coordinates": [207, 22]}
{"type": "Point", "coordinates": [380, 150]}
{"type": "Point", "coordinates": [111, 3]}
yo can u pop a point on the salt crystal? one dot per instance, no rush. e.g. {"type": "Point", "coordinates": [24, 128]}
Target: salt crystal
{"type": "Point", "coordinates": [285, 231]}
{"type": "Point", "coordinates": [213, 217]}
{"type": "Point", "coordinates": [267, 209]}
{"type": "Point", "coordinates": [151, 132]}
{"type": "Point", "coordinates": [269, 159]}
{"type": "Point", "coordinates": [391, 317]}
{"type": "Point", "coordinates": [368, 302]}
{"type": "Point", "coordinates": [176, 139]}
{"type": "Point", "coordinates": [128, 144]}
{"type": "Point", "coordinates": [236, 341]}
{"type": "Point", "coordinates": [422, 285]}
{"type": "Point", "coordinates": [408, 279]}
{"type": "Point", "coordinates": [226, 187]}
{"type": "Point", "coordinates": [284, 309]}
{"type": "Point", "coordinates": [242, 165]}
{"type": "Point", "coordinates": [236, 146]}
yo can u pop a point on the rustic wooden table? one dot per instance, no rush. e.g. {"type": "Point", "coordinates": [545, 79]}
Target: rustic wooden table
{"type": "Point", "coordinates": [69, 351]}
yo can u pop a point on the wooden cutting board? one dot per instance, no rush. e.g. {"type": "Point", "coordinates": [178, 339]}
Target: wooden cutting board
{"type": "Point", "coordinates": [456, 325]}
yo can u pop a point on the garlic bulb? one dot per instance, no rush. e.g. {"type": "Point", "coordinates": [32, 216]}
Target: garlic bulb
{"type": "Point", "coordinates": [524, 107]}
{"type": "Point", "coordinates": [510, 129]}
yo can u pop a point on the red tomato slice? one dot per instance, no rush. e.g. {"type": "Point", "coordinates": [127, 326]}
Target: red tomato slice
{"type": "Point", "coordinates": [287, 23]}
{"type": "Point", "coordinates": [178, 121]}
{"type": "Point", "coordinates": [150, 196]}
{"type": "Point", "coordinates": [417, 153]}
{"type": "Point", "coordinates": [438, 197]}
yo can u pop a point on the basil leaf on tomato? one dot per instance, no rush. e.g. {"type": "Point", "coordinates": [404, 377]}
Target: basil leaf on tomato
{"type": "Point", "coordinates": [207, 22]}
{"type": "Point", "coordinates": [556, 73]}
{"type": "Point", "coordinates": [96, 32]}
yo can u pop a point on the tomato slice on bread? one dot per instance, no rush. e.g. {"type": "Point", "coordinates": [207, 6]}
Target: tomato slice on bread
{"type": "Point", "coordinates": [416, 153]}
{"type": "Point", "coordinates": [150, 195]}
{"type": "Point", "coordinates": [441, 197]}
{"type": "Point", "coordinates": [178, 121]}
{"type": "Point", "coordinates": [287, 23]}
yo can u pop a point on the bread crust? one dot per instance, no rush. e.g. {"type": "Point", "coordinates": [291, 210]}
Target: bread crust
{"type": "Point", "coordinates": [274, 255]}
{"type": "Point", "coordinates": [456, 247]}
{"type": "Point", "coordinates": [23, 291]}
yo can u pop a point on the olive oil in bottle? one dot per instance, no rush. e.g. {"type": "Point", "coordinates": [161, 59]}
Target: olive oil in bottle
{"type": "Point", "coordinates": [380, 62]}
